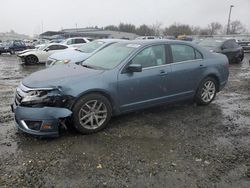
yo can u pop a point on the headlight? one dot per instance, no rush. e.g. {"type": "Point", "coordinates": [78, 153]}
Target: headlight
{"type": "Point", "coordinates": [41, 97]}
{"type": "Point", "coordinates": [35, 95]}
{"type": "Point", "coordinates": [61, 62]}
{"type": "Point", "coordinates": [45, 97]}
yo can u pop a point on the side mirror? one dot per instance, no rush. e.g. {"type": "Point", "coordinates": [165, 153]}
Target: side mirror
{"type": "Point", "coordinates": [223, 48]}
{"type": "Point", "coordinates": [134, 68]}
{"type": "Point", "coordinates": [46, 49]}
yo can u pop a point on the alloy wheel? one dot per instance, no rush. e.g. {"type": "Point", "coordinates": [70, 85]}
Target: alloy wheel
{"type": "Point", "coordinates": [208, 91]}
{"type": "Point", "coordinates": [30, 59]}
{"type": "Point", "coordinates": [93, 114]}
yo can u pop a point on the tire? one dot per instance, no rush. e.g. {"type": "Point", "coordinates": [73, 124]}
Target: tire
{"type": "Point", "coordinates": [31, 59]}
{"type": "Point", "coordinates": [12, 52]}
{"type": "Point", "coordinates": [91, 113]}
{"type": "Point", "coordinates": [241, 58]}
{"type": "Point", "coordinates": [206, 91]}
{"type": "Point", "coordinates": [237, 60]}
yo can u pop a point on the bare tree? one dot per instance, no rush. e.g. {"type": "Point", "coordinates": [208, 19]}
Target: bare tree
{"type": "Point", "coordinates": [130, 28]}
{"type": "Point", "coordinates": [111, 28]}
{"type": "Point", "coordinates": [157, 28]}
{"type": "Point", "coordinates": [205, 31]}
{"type": "Point", "coordinates": [196, 30]}
{"type": "Point", "coordinates": [237, 27]}
{"type": "Point", "coordinates": [178, 29]}
{"type": "Point", "coordinates": [214, 28]}
{"type": "Point", "coordinates": [145, 30]}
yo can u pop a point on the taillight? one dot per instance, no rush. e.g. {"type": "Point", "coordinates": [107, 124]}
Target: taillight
{"type": "Point", "coordinates": [227, 65]}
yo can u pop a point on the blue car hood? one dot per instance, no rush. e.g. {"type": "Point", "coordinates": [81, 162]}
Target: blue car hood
{"type": "Point", "coordinates": [65, 75]}
{"type": "Point", "coordinates": [72, 55]}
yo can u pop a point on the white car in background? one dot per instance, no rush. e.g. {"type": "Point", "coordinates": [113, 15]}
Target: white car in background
{"type": "Point", "coordinates": [76, 41]}
{"type": "Point", "coordinates": [41, 54]}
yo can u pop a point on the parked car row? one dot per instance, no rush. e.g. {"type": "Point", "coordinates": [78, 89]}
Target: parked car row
{"type": "Point", "coordinates": [41, 54]}
{"type": "Point", "coordinates": [245, 44]}
{"type": "Point", "coordinates": [117, 77]}
{"type": "Point", "coordinates": [13, 46]}
{"type": "Point", "coordinates": [228, 47]}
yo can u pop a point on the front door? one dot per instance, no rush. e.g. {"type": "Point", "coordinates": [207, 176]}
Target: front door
{"type": "Point", "coordinates": [141, 89]}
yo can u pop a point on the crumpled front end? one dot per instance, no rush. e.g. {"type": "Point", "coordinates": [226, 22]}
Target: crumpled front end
{"type": "Point", "coordinates": [40, 111]}
{"type": "Point", "coordinates": [40, 121]}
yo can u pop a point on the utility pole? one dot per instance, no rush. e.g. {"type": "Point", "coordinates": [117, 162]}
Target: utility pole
{"type": "Point", "coordinates": [229, 17]}
{"type": "Point", "coordinates": [42, 25]}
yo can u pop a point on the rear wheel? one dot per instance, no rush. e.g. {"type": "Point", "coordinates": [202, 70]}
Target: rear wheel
{"type": "Point", "coordinates": [241, 58]}
{"type": "Point", "coordinates": [31, 59]}
{"type": "Point", "coordinates": [91, 113]}
{"type": "Point", "coordinates": [206, 91]}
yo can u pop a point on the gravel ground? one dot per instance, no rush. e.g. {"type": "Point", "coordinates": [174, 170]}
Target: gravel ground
{"type": "Point", "coordinates": [178, 145]}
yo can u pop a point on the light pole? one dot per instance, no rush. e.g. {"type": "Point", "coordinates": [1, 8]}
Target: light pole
{"type": "Point", "coordinates": [229, 17]}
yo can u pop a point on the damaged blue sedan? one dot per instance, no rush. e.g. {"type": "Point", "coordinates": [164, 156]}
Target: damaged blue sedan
{"type": "Point", "coordinates": [123, 77]}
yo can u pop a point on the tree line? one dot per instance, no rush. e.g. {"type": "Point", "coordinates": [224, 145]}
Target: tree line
{"type": "Point", "coordinates": [214, 28]}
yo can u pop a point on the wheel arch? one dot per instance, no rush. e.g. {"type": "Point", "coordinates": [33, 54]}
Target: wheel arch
{"type": "Point", "coordinates": [214, 76]}
{"type": "Point", "coordinates": [32, 55]}
{"type": "Point", "coordinates": [104, 93]}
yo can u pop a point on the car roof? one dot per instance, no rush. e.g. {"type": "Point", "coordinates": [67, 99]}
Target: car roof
{"type": "Point", "coordinates": [76, 38]}
{"type": "Point", "coordinates": [220, 38]}
{"type": "Point", "coordinates": [110, 40]}
{"type": "Point", "coordinates": [155, 41]}
{"type": "Point", "coordinates": [54, 43]}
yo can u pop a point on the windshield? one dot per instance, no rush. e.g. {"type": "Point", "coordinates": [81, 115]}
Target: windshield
{"type": "Point", "coordinates": [211, 43]}
{"type": "Point", "coordinates": [91, 46]}
{"type": "Point", "coordinates": [110, 57]}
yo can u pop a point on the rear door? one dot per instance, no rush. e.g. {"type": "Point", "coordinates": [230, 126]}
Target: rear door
{"type": "Point", "coordinates": [187, 69]}
{"type": "Point", "coordinates": [149, 87]}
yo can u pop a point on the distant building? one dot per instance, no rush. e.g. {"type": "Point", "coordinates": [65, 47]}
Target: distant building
{"type": "Point", "coordinates": [12, 36]}
{"type": "Point", "coordinates": [87, 32]}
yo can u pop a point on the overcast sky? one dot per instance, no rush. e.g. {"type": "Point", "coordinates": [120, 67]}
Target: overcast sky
{"type": "Point", "coordinates": [27, 16]}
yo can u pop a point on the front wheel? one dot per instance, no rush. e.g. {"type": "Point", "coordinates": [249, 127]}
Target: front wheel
{"type": "Point", "coordinates": [91, 113]}
{"type": "Point", "coordinates": [206, 91]}
{"type": "Point", "coordinates": [31, 59]}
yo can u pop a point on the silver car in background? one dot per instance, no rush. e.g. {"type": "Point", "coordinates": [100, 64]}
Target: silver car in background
{"type": "Point", "coordinates": [80, 54]}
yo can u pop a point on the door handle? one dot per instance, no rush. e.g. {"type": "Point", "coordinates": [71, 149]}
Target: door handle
{"type": "Point", "coordinates": [202, 66]}
{"type": "Point", "coordinates": [163, 73]}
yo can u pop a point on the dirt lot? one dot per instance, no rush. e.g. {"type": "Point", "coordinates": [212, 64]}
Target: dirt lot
{"type": "Point", "coordinates": [180, 145]}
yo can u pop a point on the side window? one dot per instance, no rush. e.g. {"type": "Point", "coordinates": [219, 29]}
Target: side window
{"type": "Point", "coordinates": [69, 42]}
{"type": "Point", "coordinates": [52, 47]}
{"type": "Point", "coordinates": [79, 41]}
{"type": "Point", "coordinates": [61, 47]}
{"type": "Point", "coordinates": [151, 56]}
{"type": "Point", "coordinates": [17, 43]}
{"type": "Point", "coordinates": [235, 44]}
{"type": "Point", "coordinates": [182, 52]}
{"type": "Point", "coordinates": [56, 47]}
